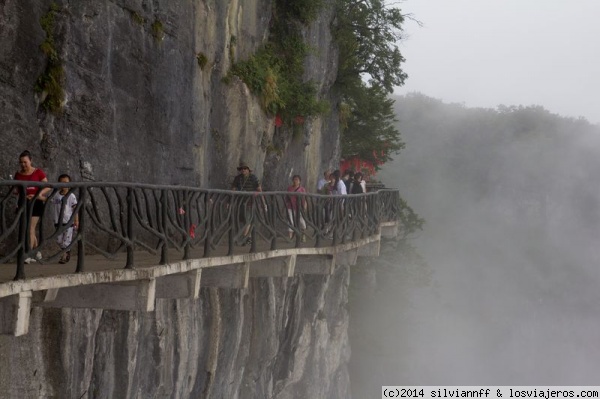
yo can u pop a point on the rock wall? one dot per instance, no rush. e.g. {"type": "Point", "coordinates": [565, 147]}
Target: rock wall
{"type": "Point", "coordinates": [140, 107]}
{"type": "Point", "coordinates": [138, 104]}
{"type": "Point", "coordinates": [280, 338]}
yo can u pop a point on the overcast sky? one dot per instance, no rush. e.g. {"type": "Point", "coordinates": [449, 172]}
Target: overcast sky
{"type": "Point", "coordinates": [512, 52]}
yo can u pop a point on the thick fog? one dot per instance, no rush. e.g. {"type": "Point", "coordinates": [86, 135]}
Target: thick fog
{"type": "Point", "coordinates": [507, 290]}
{"type": "Point", "coordinates": [485, 53]}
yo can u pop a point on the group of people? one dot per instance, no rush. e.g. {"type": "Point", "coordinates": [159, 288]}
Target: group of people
{"type": "Point", "coordinates": [331, 184]}
{"type": "Point", "coordinates": [337, 184]}
{"type": "Point", "coordinates": [63, 203]}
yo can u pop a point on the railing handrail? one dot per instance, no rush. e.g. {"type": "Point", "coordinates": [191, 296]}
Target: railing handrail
{"type": "Point", "coordinates": [157, 218]}
{"type": "Point", "coordinates": [164, 186]}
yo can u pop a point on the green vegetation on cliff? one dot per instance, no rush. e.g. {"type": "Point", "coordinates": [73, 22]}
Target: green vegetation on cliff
{"type": "Point", "coordinates": [275, 72]}
{"type": "Point", "coordinates": [366, 32]}
{"type": "Point", "coordinates": [50, 82]}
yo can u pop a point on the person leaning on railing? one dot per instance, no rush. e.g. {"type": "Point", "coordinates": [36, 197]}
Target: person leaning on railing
{"type": "Point", "coordinates": [35, 200]}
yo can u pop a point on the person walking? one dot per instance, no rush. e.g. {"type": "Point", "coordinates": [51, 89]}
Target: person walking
{"type": "Point", "coordinates": [323, 182]}
{"type": "Point", "coordinates": [34, 196]}
{"type": "Point", "coordinates": [292, 206]}
{"type": "Point", "coordinates": [337, 184]}
{"type": "Point", "coordinates": [246, 181]}
{"type": "Point", "coordinates": [336, 211]}
{"type": "Point", "coordinates": [348, 179]}
{"type": "Point", "coordinates": [359, 186]}
{"type": "Point", "coordinates": [66, 203]}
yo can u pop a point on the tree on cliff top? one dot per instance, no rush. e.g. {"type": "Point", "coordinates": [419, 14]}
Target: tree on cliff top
{"type": "Point", "coordinates": [367, 32]}
{"type": "Point", "coordinates": [370, 133]}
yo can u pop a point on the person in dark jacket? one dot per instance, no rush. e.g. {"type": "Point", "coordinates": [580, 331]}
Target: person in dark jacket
{"type": "Point", "coordinates": [246, 181]}
{"type": "Point", "coordinates": [358, 185]}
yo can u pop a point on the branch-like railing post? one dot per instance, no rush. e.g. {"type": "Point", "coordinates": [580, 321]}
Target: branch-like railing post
{"type": "Point", "coordinates": [252, 221]}
{"type": "Point", "coordinates": [208, 205]}
{"type": "Point", "coordinates": [81, 232]}
{"type": "Point", "coordinates": [321, 209]}
{"type": "Point", "coordinates": [23, 233]}
{"type": "Point", "coordinates": [377, 209]}
{"type": "Point", "coordinates": [335, 219]}
{"type": "Point", "coordinates": [130, 236]}
{"type": "Point", "coordinates": [187, 224]}
{"type": "Point", "coordinates": [271, 212]}
{"type": "Point", "coordinates": [233, 222]}
{"type": "Point", "coordinates": [164, 253]}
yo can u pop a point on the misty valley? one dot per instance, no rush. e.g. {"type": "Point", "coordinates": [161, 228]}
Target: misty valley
{"type": "Point", "coordinates": [501, 286]}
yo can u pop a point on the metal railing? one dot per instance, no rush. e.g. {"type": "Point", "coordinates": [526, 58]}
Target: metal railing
{"type": "Point", "coordinates": [116, 218]}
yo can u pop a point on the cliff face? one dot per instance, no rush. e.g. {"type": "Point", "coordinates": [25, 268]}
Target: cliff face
{"type": "Point", "coordinates": [138, 104]}
{"type": "Point", "coordinates": [279, 338]}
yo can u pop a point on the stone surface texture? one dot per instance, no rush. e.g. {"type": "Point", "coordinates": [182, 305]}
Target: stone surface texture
{"type": "Point", "coordinates": [139, 108]}
{"type": "Point", "coordinates": [280, 338]}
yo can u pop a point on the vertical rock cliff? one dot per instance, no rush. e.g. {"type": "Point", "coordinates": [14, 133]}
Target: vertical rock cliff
{"type": "Point", "coordinates": [138, 95]}
{"type": "Point", "coordinates": [143, 96]}
{"type": "Point", "coordinates": [280, 338]}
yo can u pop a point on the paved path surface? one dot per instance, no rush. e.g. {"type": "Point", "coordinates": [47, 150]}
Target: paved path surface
{"type": "Point", "coordinates": [141, 259]}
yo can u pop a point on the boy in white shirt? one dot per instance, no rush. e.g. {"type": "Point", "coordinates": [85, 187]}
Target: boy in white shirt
{"type": "Point", "coordinates": [67, 203]}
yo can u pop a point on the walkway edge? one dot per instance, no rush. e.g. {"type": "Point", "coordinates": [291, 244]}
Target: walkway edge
{"type": "Point", "coordinates": [152, 272]}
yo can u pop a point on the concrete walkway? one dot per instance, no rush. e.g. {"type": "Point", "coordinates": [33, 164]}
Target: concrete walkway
{"type": "Point", "coordinates": [142, 259]}
{"type": "Point", "coordinates": [105, 284]}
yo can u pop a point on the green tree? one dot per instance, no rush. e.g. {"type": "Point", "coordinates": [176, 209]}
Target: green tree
{"type": "Point", "coordinates": [367, 33]}
{"type": "Point", "coordinates": [370, 133]}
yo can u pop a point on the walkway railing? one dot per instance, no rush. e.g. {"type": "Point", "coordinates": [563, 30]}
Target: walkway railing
{"type": "Point", "coordinates": [120, 217]}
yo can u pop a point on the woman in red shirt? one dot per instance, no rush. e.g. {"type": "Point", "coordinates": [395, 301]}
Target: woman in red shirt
{"type": "Point", "coordinates": [29, 173]}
